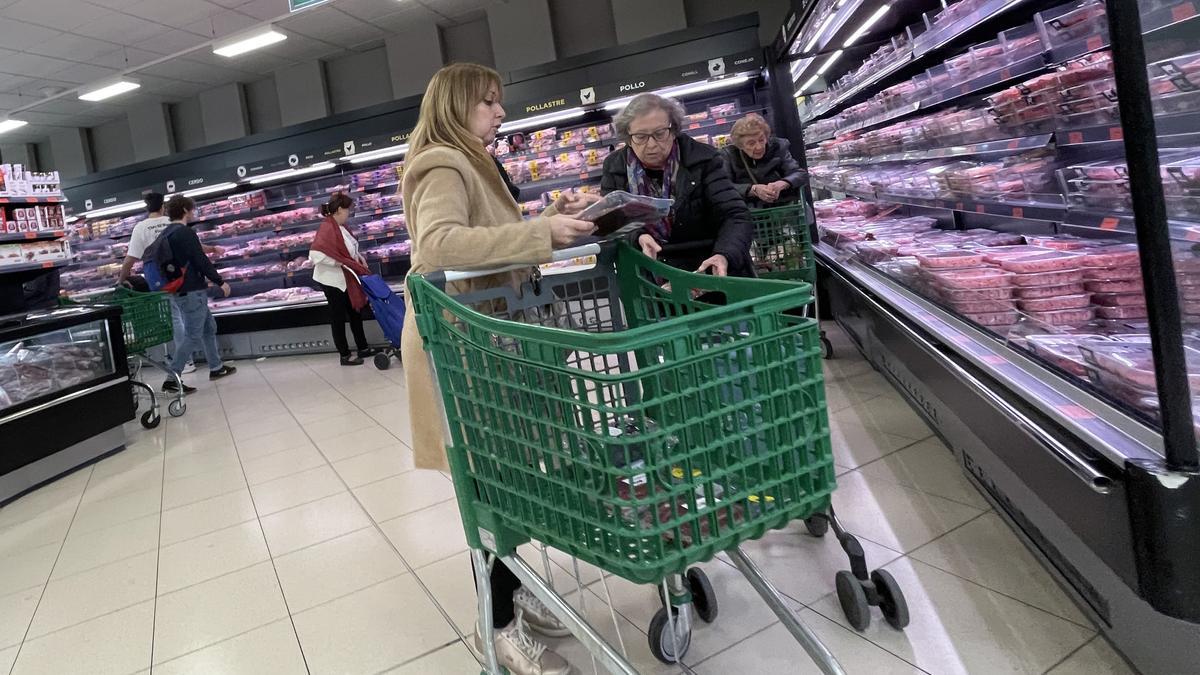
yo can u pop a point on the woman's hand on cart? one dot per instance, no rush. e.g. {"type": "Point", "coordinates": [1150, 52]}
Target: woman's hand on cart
{"type": "Point", "coordinates": [717, 265]}
{"type": "Point", "coordinates": [650, 246]}
{"type": "Point", "coordinates": [565, 231]}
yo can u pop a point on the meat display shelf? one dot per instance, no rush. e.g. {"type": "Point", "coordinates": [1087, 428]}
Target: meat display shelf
{"type": "Point", "coordinates": [32, 199]}
{"type": "Point", "coordinates": [40, 265]}
{"type": "Point", "coordinates": [998, 147]}
{"type": "Point", "coordinates": [535, 189]}
{"type": "Point", "coordinates": [1028, 210]}
{"type": "Point", "coordinates": [33, 235]}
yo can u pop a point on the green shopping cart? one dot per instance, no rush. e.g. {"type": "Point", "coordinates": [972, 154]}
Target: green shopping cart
{"type": "Point", "coordinates": [607, 413]}
{"type": "Point", "coordinates": [146, 323]}
{"type": "Point", "coordinates": [782, 249]}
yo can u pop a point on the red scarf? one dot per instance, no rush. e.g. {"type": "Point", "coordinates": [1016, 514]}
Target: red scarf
{"type": "Point", "coordinates": [330, 242]}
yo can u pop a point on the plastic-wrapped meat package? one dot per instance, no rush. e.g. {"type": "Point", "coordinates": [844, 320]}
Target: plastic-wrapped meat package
{"type": "Point", "coordinates": [996, 253]}
{"type": "Point", "coordinates": [618, 209]}
{"type": "Point", "coordinates": [593, 158]}
{"type": "Point", "coordinates": [1118, 255]}
{"type": "Point", "coordinates": [994, 319]}
{"type": "Point", "coordinates": [1124, 273]}
{"type": "Point", "coordinates": [1057, 278]}
{"type": "Point", "coordinates": [1122, 312]}
{"type": "Point", "coordinates": [1066, 317]}
{"type": "Point", "coordinates": [950, 259]}
{"type": "Point", "coordinates": [567, 164]}
{"type": "Point", "coordinates": [1055, 303]}
{"type": "Point", "coordinates": [517, 171]}
{"type": "Point", "coordinates": [973, 279]}
{"type": "Point", "coordinates": [1060, 242]}
{"type": "Point", "coordinates": [1133, 362]}
{"type": "Point", "coordinates": [873, 252]}
{"type": "Point", "coordinates": [1040, 292]}
{"type": "Point", "coordinates": [1120, 286]}
{"type": "Point", "coordinates": [542, 139]}
{"type": "Point", "coordinates": [1119, 299]}
{"type": "Point", "coordinates": [1052, 261]}
{"type": "Point", "coordinates": [982, 306]}
{"type": "Point", "coordinates": [1083, 19]}
{"type": "Point", "coordinates": [723, 109]}
{"type": "Point", "coordinates": [1063, 350]}
{"type": "Point", "coordinates": [958, 295]}
{"type": "Point", "coordinates": [539, 169]}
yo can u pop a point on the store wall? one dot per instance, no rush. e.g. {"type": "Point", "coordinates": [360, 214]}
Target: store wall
{"type": "Point", "coordinates": [112, 145]}
{"type": "Point", "coordinates": [263, 105]}
{"type": "Point", "coordinates": [771, 14]}
{"type": "Point", "coordinates": [468, 42]}
{"type": "Point", "coordinates": [359, 80]}
{"type": "Point", "coordinates": [187, 123]}
{"type": "Point", "coordinates": [582, 27]}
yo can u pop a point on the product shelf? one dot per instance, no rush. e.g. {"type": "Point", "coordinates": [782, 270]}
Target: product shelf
{"type": "Point", "coordinates": [988, 148]}
{"type": "Point", "coordinates": [34, 235]}
{"type": "Point", "coordinates": [37, 265]}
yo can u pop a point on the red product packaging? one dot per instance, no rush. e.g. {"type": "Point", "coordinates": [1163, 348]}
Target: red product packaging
{"type": "Point", "coordinates": [1063, 350]}
{"type": "Point", "coordinates": [983, 306]}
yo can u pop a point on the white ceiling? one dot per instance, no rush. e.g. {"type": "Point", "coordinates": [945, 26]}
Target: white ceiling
{"type": "Point", "coordinates": [63, 44]}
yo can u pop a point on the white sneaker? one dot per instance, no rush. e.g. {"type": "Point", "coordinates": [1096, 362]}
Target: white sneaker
{"type": "Point", "coordinates": [522, 655]}
{"type": "Point", "coordinates": [189, 368]}
{"type": "Point", "coordinates": [537, 615]}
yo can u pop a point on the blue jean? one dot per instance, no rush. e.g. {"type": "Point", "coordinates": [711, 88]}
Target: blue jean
{"type": "Point", "coordinates": [199, 331]}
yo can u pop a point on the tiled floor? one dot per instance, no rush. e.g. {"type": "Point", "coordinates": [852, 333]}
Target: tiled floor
{"type": "Point", "coordinates": [279, 527]}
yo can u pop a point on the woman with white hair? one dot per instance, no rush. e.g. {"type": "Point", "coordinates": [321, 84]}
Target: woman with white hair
{"type": "Point", "coordinates": [658, 160]}
{"type": "Point", "coordinates": [763, 170]}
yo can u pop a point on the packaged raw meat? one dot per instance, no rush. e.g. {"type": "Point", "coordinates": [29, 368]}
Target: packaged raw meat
{"type": "Point", "coordinates": [1052, 261]}
{"type": "Point", "coordinates": [620, 208]}
{"type": "Point", "coordinates": [539, 169]}
{"type": "Point", "coordinates": [872, 252]}
{"type": "Point", "coordinates": [1063, 350]}
{"type": "Point", "coordinates": [1134, 362]}
{"type": "Point", "coordinates": [1054, 303]}
{"type": "Point", "coordinates": [983, 306]}
{"type": "Point", "coordinates": [994, 319]}
{"type": "Point", "coordinates": [1065, 317]}
{"type": "Point", "coordinates": [950, 259]}
{"type": "Point", "coordinates": [1110, 256]}
{"type": "Point", "coordinates": [1122, 312]}
{"type": "Point", "coordinates": [973, 279]}
{"type": "Point", "coordinates": [1039, 292]}
{"type": "Point", "coordinates": [1060, 242]}
{"type": "Point", "coordinates": [1120, 286]}
{"type": "Point", "coordinates": [995, 255]}
{"type": "Point", "coordinates": [1058, 278]}
{"type": "Point", "coordinates": [957, 295]}
{"type": "Point", "coordinates": [1119, 299]}
{"type": "Point", "coordinates": [1122, 273]}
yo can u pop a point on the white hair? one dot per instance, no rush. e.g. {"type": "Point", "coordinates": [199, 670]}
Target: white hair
{"type": "Point", "coordinates": [645, 103]}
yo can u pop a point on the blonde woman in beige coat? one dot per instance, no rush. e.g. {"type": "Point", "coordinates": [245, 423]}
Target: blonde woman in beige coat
{"type": "Point", "coordinates": [461, 216]}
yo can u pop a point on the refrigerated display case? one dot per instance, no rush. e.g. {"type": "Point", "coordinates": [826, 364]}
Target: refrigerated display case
{"type": "Point", "coordinates": [64, 393]}
{"type": "Point", "coordinates": [1008, 228]}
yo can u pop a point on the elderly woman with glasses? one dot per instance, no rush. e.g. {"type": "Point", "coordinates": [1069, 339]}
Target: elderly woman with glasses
{"type": "Point", "coordinates": [660, 161]}
{"type": "Point", "coordinates": [763, 169]}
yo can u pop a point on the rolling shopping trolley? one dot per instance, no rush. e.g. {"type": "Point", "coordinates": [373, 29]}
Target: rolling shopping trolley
{"type": "Point", "coordinates": [146, 323]}
{"type": "Point", "coordinates": [607, 413]}
{"type": "Point", "coordinates": [782, 249]}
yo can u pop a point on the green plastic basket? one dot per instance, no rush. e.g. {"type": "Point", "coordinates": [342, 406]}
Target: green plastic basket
{"type": "Point", "coordinates": [609, 415]}
{"type": "Point", "coordinates": [782, 247]}
{"type": "Point", "coordinates": [145, 317]}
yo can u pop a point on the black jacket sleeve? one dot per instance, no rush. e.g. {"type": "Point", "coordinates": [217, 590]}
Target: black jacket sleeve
{"type": "Point", "coordinates": [742, 181]}
{"type": "Point", "coordinates": [613, 176]}
{"type": "Point", "coordinates": [737, 230]}
{"type": "Point", "coordinates": [792, 173]}
{"type": "Point", "coordinates": [193, 253]}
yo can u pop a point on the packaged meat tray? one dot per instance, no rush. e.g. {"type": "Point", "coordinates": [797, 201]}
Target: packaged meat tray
{"type": "Point", "coordinates": [1119, 299]}
{"type": "Point", "coordinates": [1039, 292]}
{"type": "Point", "coordinates": [956, 295]}
{"type": "Point", "coordinates": [994, 319]}
{"type": "Point", "coordinates": [620, 208]}
{"type": "Point", "coordinates": [1059, 278]}
{"type": "Point", "coordinates": [973, 279]}
{"type": "Point", "coordinates": [995, 255]}
{"type": "Point", "coordinates": [1060, 242]}
{"type": "Point", "coordinates": [1122, 312]}
{"type": "Point", "coordinates": [1063, 350]}
{"type": "Point", "coordinates": [1055, 303]}
{"type": "Point", "coordinates": [872, 252]}
{"type": "Point", "coordinates": [1119, 286]}
{"type": "Point", "coordinates": [1110, 256]}
{"type": "Point", "coordinates": [950, 259]}
{"type": "Point", "coordinates": [1065, 317]}
{"type": "Point", "coordinates": [1053, 261]}
{"type": "Point", "coordinates": [983, 306]}
{"type": "Point", "coordinates": [1122, 273]}
{"type": "Point", "coordinates": [1134, 362]}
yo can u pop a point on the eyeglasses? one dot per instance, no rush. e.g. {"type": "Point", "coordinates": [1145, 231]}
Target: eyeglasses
{"type": "Point", "coordinates": [659, 135]}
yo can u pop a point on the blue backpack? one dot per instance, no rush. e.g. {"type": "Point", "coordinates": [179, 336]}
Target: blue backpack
{"type": "Point", "coordinates": [158, 263]}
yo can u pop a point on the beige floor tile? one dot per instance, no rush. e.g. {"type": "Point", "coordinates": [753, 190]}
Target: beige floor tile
{"type": "Point", "coordinates": [868, 383]}
{"type": "Point", "coordinates": [428, 535]}
{"type": "Point", "coordinates": [841, 368]}
{"type": "Point", "coordinates": [202, 486]}
{"type": "Point", "coordinates": [216, 513]}
{"type": "Point", "coordinates": [987, 552]}
{"type": "Point", "coordinates": [271, 443]}
{"type": "Point", "coordinates": [802, 566]}
{"type": "Point", "coordinates": [372, 629]}
{"type": "Point", "coordinates": [891, 414]}
{"type": "Point", "coordinates": [455, 658]}
{"type": "Point", "coordinates": [368, 467]}
{"type": "Point", "coordinates": [131, 464]}
{"type": "Point", "coordinates": [299, 488]}
{"type": "Point", "coordinates": [8, 657]}
{"type": "Point", "coordinates": [596, 613]}
{"type": "Point", "coordinates": [452, 583]}
{"type": "Point", "coordinates": [93, 549]}
{"type": "Point", "coordinates": [16, 609]}
{"type": "Point", "coordinates": [960, 627]}
{"type": "Point", "coordinates": [928, 466]}
{"type": "Point", "coordinates": [210, 556]}
{"type": "Point", "coordinates": [313, 523]}
{"type": "Point", "coordinates": [270, 650]}
{"type": "Point", "coordinates": [211, 441]}
{"type": "Point", "coordinates": [241, 413]}
{"type": "Point", "coordinates": [257, 428]}
{"type": "Point", "coordinates": [214, 611]}
{"type": "Point", "coordinates": [27, 569]}
{"type": "Point", "coordinates": [388, 394]}
{"type": "Point", "coordinates": [36, 532]}
{"type": "Point", "coordinates": [314, 412]}
{"type": "Point", "coordinates": [894, 516]}
{"type": "Point", "coordinates": [318, 573]}
{"type": "Point", "coordinates": [776, 651]}
{"type": "Point", "coordinates": [395, 419]}
{"type": "Point", "coordinates": [117, 510]}
{"type": "Point", "coordinates": [186, 465]}
{"type": "Point", "coordinates": [855, 444]}
{"type": "Point", "coordinates": [117, 643]}
{"type": "Point", "coordinates": [85, 596]}
{"type": "Point", "coordinates": [356, 442]}
{"type": "Point", "coordinates": [51, 500]}
{"type": "Point", "coordinates": [405, 493]}
{"type": "Point", "coordinates": [1095, 658]}
{"type": "Point", "coordinates": [283, 463]}
{"type": "Point", "coordinates": [838, 397]}
{"type": "Point", "coordinates": [337, 425]}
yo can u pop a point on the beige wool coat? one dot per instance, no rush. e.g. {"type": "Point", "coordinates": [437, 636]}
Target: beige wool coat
{"type": "Point", "coordinates": [459, 218]}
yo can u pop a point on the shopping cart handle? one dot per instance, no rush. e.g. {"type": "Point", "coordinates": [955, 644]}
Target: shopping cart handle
{"type": "Point", "coordinates": [439, 279]}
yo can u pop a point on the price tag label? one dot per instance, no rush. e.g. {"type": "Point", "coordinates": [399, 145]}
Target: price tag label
{"type": "Point", "coordinates": [1018, 212]}
{"type": "Point", "coordinates": [1013, 144]}
{"type": "Point", "coordinates": [1095, 42]}
{"type": "Point", "coordinates": [31, 235]}
{"type": "Point", "coordinates": [1109, 223]}
{"type": "Point", "coordinates": [47, 265]}
{"type": "Point", "coordinates": [1193, 234]}
{"type": "Point", "coordinates": [1184, 11]}
{"type": "Point", "coordinates": [979, 208]}
{"type": "Point", "coordinates": [1075, 412]}
{"type": "Point", "coordinates": [958, 206]}
{"type": "Point", "coordinates": [1075, 137]}
{"type": "Point", "coordinates": [1005, 74]}
{"type": "Point", "coordinates": [1116, 134]}
{"type": "Point", "coordinates": [994, 359]}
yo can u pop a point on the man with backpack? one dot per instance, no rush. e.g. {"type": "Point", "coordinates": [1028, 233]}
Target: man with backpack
{"type": "Point", "coordinates": [176, 264]}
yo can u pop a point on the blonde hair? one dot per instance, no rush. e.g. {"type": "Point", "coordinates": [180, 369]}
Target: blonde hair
{"type": "Point", "coordinates": [748, 126]}
{"type": "Point", "coordinates": [446, 111]}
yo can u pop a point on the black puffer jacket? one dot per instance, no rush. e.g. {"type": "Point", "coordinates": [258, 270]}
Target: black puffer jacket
{"type": "Point", "coordinates": [777, 163]}
{"type": "Point", "coordinates": [707, 207]}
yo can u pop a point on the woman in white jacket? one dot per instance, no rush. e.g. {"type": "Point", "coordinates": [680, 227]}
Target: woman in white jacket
{"type": "Point", "coordinates": [336, 261]}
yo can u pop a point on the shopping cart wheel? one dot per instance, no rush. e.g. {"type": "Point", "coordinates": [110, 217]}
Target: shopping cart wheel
{"type": "Point", "coordinates": [817, 525]}
{"type": "Point", "coordinates": [704, 598]}
{"type": "Point", "coordinates": [854, 600]}
{"type": "Point", "coordinates": [383, 361]}
{"type": "Point", "coordinates": [662, 645]}
{"type": "Point", "coordinates": [826, 346]}
{"type": "Point", "coordinates": [891, 599]}
{"type": "Point", "coordinates": [150, 419]}
{"type": "Point", "coordinates": [177, 408]}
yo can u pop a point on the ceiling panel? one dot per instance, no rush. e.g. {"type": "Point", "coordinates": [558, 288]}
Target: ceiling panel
{"type": "Point", "coordinates": [260, 62]}
{"type": "Point", "coordinates": [61, 14]}
{"type": "Point", "coordinates": [32, 65]}
{"type": "Point", "coordinates": [83, 73]}
{"type": "Point", "coordinates": [222, 24]}
{"type": "Point", "coordinates": [410, 15]}
{"type": "Point", "coordinates": [328, 24]}
{"type": "Point", "coordinates": [71, 105]}
{"type": "Point", "coordinates": [73, 48]}
{"type": "Point", "coordinates": [125, 58]}
{"type": "Point", "coordinates": [171, 42]}
{"type": "Point", "coordinates": [121, 28]}
{"type": "Point", "coordinates": [19, 35]}
{"type": "Point", "coordinates": [174, 13]}
{"type": "Point", "coordinates": [369, 10]}
{"type": "Point", "coordinates": [267, 10]}
{"type": "Point", "coordinates": [191, 71]}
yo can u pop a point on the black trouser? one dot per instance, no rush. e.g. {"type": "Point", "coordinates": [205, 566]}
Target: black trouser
{"type": "Point", "coordinates": [504, 583]}
{"type": "Point", "coordinates": [340, 310]}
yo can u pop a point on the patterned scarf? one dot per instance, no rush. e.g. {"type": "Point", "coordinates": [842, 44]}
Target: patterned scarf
{"type": "Point", "coordinates": [640, 184]}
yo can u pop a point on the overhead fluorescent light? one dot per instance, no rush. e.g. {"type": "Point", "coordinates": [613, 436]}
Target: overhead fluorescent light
{"type": "Point", "coordinates": [114, 209]}
{"type": "Point", "coordinates": [109, 90]}
{"type": "Point", "coordinates": [382, 153]}
{"type": "Point", "coordinates": [829, 62]}
{"type": "Point", "coordinates": [249, 41]}
{"type": "Point", "coordinates": [537, 120]}
{"type": "Point", "coordinates": [817, 33]}
{"type": "Point", "coordinates": [685, 89]}
{"type": "Point", "coordinates": [867, 25]}
{"type": "Point", "coordinates": [289, 173]}
{"type": "Point", "coordinates": [9, 125]}
{"type": "Point", "coordinates": [808, 84]}
{"type": "Point", "coordinates": [210, 189]}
